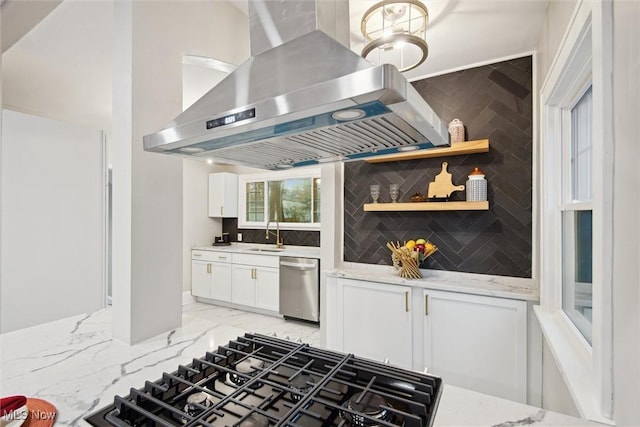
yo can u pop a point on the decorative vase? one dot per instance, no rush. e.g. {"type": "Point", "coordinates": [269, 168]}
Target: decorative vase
{"type": "Point", "coordinates": [476, 186]}
{"type": "Point", "coordinates": [456, 130]}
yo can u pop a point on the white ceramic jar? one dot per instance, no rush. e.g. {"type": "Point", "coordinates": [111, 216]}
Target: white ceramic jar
{"type": "Point", "coordinates": [476, 186]}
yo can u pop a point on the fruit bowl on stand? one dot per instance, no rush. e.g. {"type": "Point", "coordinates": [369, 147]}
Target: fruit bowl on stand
{"type": "Point", "coordinates": [408, 257]}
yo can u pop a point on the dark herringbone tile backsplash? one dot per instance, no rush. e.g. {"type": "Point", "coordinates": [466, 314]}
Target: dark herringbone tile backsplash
{"type": "Point", "coordinates": [494, 102]}
{"type": "Point", "coordinates": [289, 237]}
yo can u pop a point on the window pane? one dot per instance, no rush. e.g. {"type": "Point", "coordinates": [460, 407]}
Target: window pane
{"type": "Point", "coordinates": [255, 201]}
{"type": "Point", "coordinates": [577, 269]}
{"type": "Point", "coordinates": [581, 142]}
{"type": "Point", "coordinates": [290, 200]}
{"type": "Point", "coordinates": [316, 200]}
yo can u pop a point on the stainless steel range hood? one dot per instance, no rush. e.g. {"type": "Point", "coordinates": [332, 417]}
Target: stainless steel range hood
{"type": "Point", "coordinates": [302, 98]}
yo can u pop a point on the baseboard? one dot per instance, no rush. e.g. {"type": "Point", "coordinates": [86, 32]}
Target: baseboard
{"type": "Point", "coordinates": [187, 298]}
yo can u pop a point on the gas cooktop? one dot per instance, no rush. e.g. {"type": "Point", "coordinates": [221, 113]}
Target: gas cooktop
{"type": "Point", "coordinates": [259, 380]}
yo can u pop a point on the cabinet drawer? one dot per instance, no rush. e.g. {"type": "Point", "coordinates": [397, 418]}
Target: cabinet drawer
{"type": "Point", "coordinates": [212, 256]}
{"type": "Point", "coordinates": [257, 260]}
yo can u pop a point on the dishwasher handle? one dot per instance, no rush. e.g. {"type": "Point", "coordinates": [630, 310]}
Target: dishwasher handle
{"type": "Point", "coordinates": [301, 266]}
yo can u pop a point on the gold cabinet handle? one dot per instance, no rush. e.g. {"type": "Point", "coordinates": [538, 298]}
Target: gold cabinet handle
{"type": "Point", "coordinates": [209, 268]}
{"type": "Point", "coordinates": [222, 257]}
{"type": "Point", "coordinates": [221, 210]}
{"type": "Point", "coordinates": [406, 301]}
{"type": "Point", "coordinates": [426, 304]}
{"type": "Point", "coordinates": [197, 254]}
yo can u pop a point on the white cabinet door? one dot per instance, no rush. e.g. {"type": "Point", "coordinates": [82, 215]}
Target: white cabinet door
{"type": "Point", "coordinates": [376, 321]}
{"type": "Point", "coordinates": [477, 342]}
{"type": "Point", "coordinates": [201, 279]}
{"type": "Point", "coordinates": [221, 281]}
{"type": "Point", "coordinates": [268, 288]}
{"type": "Point", "coordinates": [243, 287]}
{"type": "Point", "coordinates": [223, 195]}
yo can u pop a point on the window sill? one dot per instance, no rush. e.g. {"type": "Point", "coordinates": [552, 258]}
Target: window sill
{"type": "Point", "coordinates": [573, 359]}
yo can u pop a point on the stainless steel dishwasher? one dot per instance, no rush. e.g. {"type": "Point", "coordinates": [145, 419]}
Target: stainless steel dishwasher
{"type": "Point", "coordinates": [300, 288]}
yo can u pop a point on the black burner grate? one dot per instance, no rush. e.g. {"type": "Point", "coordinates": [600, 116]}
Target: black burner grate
{"type": "Point", "coordinates": [278, 382]}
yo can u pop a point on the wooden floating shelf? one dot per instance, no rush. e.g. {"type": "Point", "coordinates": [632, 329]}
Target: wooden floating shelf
{"type": "Point", "coordinates": [456, 149]}
{"type": "Point", "coordinates": [426, 206]}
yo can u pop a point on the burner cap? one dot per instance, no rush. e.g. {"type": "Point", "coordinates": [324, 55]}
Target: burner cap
{"type": "Point", "coordinates": [196, 403]}
{"type": "Point", "coordinates": [199, 398]}
{"type": "Point", "coordinates": [302, 384]}
{"type": "Point", "coordinates": [370, 405]}
{"type": "Point", "coordinates": [249, 366]}
{"type": "Point", "coordinates": [255, 420]}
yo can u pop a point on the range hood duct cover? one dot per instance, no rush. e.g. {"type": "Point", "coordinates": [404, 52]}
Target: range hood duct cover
{"type": "Point", "coordinates": [302, 100]}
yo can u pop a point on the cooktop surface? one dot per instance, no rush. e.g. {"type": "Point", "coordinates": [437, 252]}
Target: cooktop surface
{"type": "Point", "coordinates": [259, 380]}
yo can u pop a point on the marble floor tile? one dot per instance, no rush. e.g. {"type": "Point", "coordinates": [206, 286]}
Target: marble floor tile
{"type": "Point", "coordinates": [257, 323]}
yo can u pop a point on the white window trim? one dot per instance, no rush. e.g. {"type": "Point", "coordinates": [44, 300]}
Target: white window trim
{"type": "Point", "coordinates": [272, 176]}
{"type": "Point", "coordinates": [584, 54]}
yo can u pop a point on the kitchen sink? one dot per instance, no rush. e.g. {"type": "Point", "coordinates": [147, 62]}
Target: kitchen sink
{"type": "Point", "coordinates": [266, 249]}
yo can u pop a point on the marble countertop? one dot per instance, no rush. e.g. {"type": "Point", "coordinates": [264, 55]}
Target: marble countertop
{"type": "Point", "coordinates": [264, 249]}
{"type": "Point", "coordinates": [477, 284]}
{"type": "Point", "coordinates": [76, 365]}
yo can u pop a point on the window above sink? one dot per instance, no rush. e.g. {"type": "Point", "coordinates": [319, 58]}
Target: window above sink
{"type": "Point", "coordinates": [290, 197]}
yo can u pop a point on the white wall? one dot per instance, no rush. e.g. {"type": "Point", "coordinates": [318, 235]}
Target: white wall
{"type": "Point", "coordinates": [150, 39]}
{"type": "Point", "coordinates": [199, 229]}
{"type": "Point", "coordinates": [556, 23]}
{"type": "Point", "coordinates": [53, 221]}
{"type": "Point", "coordinates": [626, 205]}
{"type": "Point", "coordinates": [555, 394]}
{"type": "Point", "coordinates": [62, 68]}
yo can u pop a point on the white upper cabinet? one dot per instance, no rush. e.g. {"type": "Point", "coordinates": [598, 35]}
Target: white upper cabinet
{"type": "Point", "coordinates": [223, 195]}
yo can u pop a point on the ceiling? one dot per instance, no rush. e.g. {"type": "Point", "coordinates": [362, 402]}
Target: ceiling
{"type": "Point", "coordinates": [463, 32]}
{"type": "Point", "coordinates": [68, 54]}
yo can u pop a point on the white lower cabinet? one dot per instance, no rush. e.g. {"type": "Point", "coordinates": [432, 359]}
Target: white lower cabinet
{"type": "Point", "coordinates": [472, 341]}
{"type": "Point", "coordinates": [255, 281]}
{"type": "Point", "coordinates": [268, 288]}
{"type": "Point", "coordinates": [243, 285]}
{"type": "Point", "coordinates": [221, 281]}
{"type": "Point", "coordinates": [477, 342]}
{"type": "Point", "coordinates": [376, 321]}
{"type": "Point", "coordinates": [200, 279]}
{"type": "Point", "coordinates": [211, 275]}
{"type": "Point", "coordinates": [252, 281]}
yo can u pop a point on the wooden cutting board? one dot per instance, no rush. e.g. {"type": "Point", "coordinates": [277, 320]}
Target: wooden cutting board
{"type": "Point", "coordinates": [443, 186]}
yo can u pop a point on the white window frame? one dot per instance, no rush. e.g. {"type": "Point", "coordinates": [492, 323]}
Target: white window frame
{"type": "Point", "coordinates": [272, 176]}
{"type": "Point", "coordinates": [581, 84]}
{"type": "Point", "coordinates": [584, 57]}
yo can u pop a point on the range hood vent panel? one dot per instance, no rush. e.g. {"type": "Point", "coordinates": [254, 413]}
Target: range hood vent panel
{"type": "Point", "coordinates": [303, 62]}
{"type": "Point", "coordinates": [283, 108]}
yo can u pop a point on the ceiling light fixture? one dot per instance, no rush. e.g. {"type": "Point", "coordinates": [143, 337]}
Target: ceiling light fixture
{"type": "Point", "coordinates": [395, 33]}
